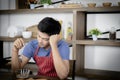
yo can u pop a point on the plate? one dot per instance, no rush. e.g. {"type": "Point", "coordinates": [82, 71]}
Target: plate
{"type": "Point", "coordinates": [21, 76]}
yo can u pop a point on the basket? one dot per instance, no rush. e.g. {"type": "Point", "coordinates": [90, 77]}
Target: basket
{"type": "Point", "coordinates": [91, 4]}
{"type": "Point", "coordinates": [70, 6]}
{"type": "Point", "coordinates": [107, 4]}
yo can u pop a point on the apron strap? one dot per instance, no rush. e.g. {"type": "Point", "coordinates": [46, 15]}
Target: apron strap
{"type": "Point", "coordinates": [36, 51]}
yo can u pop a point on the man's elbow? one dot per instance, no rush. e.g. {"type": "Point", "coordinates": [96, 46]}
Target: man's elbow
{"type": "Point", "coordinates": [63, 75]}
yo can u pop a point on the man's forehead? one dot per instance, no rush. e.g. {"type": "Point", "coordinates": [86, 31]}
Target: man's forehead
{"type": "Point", "coordinates": [42, 34]}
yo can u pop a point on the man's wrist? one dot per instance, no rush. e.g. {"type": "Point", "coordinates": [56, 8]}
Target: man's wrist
{"type": "Point", "coordinates": [14, 50]}
{"type": "Point", "coordinates": [53, 46]}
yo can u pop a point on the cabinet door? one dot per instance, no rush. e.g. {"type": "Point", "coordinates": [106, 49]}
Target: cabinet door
{"type": "Point", "coordinates": [22, 4]}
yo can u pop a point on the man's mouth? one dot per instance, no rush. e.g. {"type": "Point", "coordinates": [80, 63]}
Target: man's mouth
{"type": "Point", "coordinates": [41, 45]}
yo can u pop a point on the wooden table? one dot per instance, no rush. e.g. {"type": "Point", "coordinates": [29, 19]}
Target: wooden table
{"type": "Point", "coordinates": [7, 75]}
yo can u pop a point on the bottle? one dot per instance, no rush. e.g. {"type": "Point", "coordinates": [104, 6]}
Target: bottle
{"type": "Point", "coordinates": [112, 33]}
{"type": "Point", "coordinates": [69, 32]}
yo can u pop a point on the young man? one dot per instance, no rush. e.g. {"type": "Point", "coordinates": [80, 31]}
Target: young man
{"type": "Point", "coordinates": [49, 51]}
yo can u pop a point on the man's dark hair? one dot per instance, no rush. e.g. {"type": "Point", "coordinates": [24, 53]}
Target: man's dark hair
{"type": "Point", "coordinates": [49, 26]}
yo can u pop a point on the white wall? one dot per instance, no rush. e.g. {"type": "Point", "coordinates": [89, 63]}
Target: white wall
{"type": "Point", "coordinates": [96, 57]}
{"type": "Point", "coordinates": [103, 57]}
{"type": "Point", "coordinates": [104, 22]}
{"type": "Point", "coordinates": [7, 4]}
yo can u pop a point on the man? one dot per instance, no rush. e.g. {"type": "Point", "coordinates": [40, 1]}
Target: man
{"type": "Point", "coordinates": [50, 53]}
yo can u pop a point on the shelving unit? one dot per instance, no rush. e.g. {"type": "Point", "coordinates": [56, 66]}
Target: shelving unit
{"type": "Point", "coordinates": [79, 41]}
{"type": "Point", "coordinates": [61, 10]}
{"type": "Point", "coordinates": [99, 42]}
{"type": "Point", "coordinates": [42, 10]}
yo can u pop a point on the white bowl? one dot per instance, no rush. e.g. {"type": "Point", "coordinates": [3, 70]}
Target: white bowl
{"type": "Point", "coordinates": [27, 34]}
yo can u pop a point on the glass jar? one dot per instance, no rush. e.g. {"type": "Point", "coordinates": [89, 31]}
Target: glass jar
{"type": "Point", "coordinates": [112, 33]}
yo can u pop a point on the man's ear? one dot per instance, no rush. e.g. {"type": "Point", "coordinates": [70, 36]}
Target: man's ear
{"type": "Point", "coordinates": [60, 34]}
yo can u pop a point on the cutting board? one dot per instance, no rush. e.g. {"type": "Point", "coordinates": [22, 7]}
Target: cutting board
{"type": "Point", "coordinates": [34, 30]}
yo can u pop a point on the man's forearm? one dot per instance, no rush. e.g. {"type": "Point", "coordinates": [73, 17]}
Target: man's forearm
{"type": "Point", "coordinates": [61, 67]}
{"type": "Point", "coordinates": [15, 61]}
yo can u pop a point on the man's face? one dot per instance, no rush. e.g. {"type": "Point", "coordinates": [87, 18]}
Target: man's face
{"type": "Point", "coordinates": [43, 39]}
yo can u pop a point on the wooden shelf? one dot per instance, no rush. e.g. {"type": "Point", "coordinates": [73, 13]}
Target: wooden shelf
{"type": "Point", "coordinates": [42, 10]}
{"type": "Point", "coordinates": [100, 74]}
{"type": "Point", "coordinates": [8, 39]}
{"type": "Point", "coordinates": [60, 10]}
{"type": "Point", "coordinates": [103, 9]}
{"type": "Point", "coordinates": [99, 42]}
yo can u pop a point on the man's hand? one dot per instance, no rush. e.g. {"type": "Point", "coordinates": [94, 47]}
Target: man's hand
{"type": "Point", "coordinates": [54, 39]}
{"type": "Point", "coordinates": [18, 44]}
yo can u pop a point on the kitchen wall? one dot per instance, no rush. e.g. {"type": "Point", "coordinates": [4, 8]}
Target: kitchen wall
{"type": "Point", "coordinates": [96, 57]}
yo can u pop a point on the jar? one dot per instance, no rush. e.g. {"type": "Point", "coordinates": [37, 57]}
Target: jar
{"type": "Point", "coordinates": [112, 33]}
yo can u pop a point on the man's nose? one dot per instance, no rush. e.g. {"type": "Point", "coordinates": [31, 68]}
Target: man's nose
{"type": "Point", "coordinates": [40, 39]}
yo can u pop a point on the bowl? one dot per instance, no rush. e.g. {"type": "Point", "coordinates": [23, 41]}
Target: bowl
{"type": "Point", "coordinates": [107, 4]}
{"type": "Point", "coordinates": [27, 34]}
{"type": "Point", "coordinates": [91, 4]}
{"type": "Point", "coordinates": [22, 73]}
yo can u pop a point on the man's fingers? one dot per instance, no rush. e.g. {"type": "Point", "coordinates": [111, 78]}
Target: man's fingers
{"type": "Point", "coordinates": [19, 43]}
{"type": "Point", "coordinates": [21, 40]}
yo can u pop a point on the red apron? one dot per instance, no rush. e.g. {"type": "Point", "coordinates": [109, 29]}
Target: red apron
{"type": "Point", "coordinates": [45, 65]}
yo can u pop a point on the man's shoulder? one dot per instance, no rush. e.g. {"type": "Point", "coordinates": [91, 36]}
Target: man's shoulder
{"type": "Point", "coordinates": [62, 43]}
{"type": "Point", "coordinates": [33, 43]}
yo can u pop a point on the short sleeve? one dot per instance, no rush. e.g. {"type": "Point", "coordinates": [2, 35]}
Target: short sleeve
{"type": "Point", "coordinates": [29, 49]}
{"type": "Point", "coordinates": [64, 50]}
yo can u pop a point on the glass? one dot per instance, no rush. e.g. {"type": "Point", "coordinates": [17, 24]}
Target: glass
{"type": "Point", "coordinates": [112, 33]}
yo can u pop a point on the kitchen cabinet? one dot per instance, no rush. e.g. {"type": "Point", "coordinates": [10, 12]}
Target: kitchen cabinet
{"type": "Point", "coordinates": [22, 4]}
{"type": "Point", "coordinates": [79, 40]}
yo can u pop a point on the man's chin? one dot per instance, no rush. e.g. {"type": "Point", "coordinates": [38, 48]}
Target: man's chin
{"type": "Point", "coordinates": [41, 46]}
